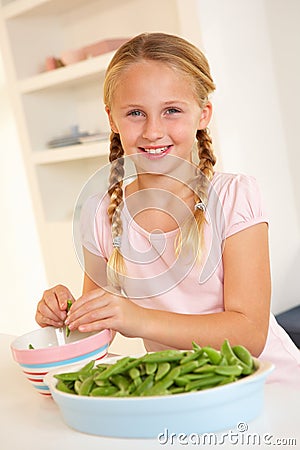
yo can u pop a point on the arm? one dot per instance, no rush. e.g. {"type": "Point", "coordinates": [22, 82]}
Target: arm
{"type": "Point", "coordinates": [246, 301]}
{"type": "Point", "coordinates": [246, 304]}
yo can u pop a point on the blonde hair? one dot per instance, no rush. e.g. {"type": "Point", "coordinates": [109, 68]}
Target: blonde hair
{"type": "Point", "coordinates": [181, 55]}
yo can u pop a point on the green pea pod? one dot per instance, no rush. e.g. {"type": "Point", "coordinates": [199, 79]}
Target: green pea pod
{"type": "Point", "coordinates": [68, 376]}
{"type": "Point", "coordinates": [198, 376]}
{"type": "Point", "coordinates": [87, 367]}
{"type": "Point", "coordinates": [188, 367]}
{"type": "Point", "coordinates": [206, 383]}
{"type": "Point", "coordinates": [162, 370]}
{"type": "Point", "coordinates": [61, 386]}
{"type": "Point", "coordinates": [151, 368]}
{"type": "Point", "coordinates": [134, 373]}
{"type": "Point", "coordinates": [181, 381]}
{"type": "Point", "coordinates": [190, 356]}
{"type": "Point", "coordinates": [69, 304]}
{"type": "Point", "coordinates": [244, 355]}
{"type": "Point", "coordinates": [30, 347]}
{"type": "Point", "coordinates": [213, 355]}
{"type": "Point", "coordinates": [177, 390]}
{"type": "Point", "coordinates": [113, 369]}
{"type": "Point", "coordinates": [227, 352]}
{"type": "Point", "coordinates": [161, 386]}
{"type": "Point", "coordinates": [145, 385]}
{"type": "Point", "coordinates": [203, 361]}
{"type": "Point", "coordinates": [227, 380]}
{"type": "Point", "coordinates": [132, 362]}
{"type": "Point", "coordinates": [229, 370]}
{"type": "Point", "coordinates": [77, 385]}
{"type": "Point", "coordinates": [86, 386]}
{"type": "Point", "coordinates": [103, 391]}
{"type": "Point", "coordinates": [196, 346]}
{"type": "Point", "coordinates": [101, 383]}
{"type": "Point", "coordinates": [120, 381]}
{"type": "Point", "coordinates": [163, 356]}
{"type": "Point", "coordinates": [206, 368]}
{"type": "Point", "coordinates": [135, 383]}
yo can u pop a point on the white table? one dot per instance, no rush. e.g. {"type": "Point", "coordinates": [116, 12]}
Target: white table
{"type": "Point", "coordinates": [28, 421]}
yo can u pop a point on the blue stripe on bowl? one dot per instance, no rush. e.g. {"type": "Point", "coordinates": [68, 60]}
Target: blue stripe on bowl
{"type": "Point", "coordinates": [67, 361]}
{"type": "Point", "coordinates": [41, 387]}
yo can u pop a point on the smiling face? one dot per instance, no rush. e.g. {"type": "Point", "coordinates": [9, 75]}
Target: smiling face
{"type": "Point", "coordinates": [155, 111]}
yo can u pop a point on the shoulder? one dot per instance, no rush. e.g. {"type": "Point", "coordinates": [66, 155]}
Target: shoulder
{"type": "Point", "coordinates": [231, 182]}
{"type": "Point", "coordinates": [92, 204]}
{"type": "Point", "coordinates": [240, 199]}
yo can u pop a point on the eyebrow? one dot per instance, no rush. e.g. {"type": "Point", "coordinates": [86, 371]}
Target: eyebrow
{"type": "Point", "coordinates": [168, 103]}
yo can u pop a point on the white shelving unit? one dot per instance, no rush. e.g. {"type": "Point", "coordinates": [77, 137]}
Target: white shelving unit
{"type": "Point", "coordinates": [48, 104]}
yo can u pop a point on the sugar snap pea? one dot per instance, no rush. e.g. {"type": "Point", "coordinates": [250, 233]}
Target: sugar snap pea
{"type": "Point", "coordinates": [103, 391]}
{"type": "Point", "coordinates": [163, 356]}
{"type": "Point", "coordinates": [69, 304]}
{"type": "Point", "coordinates": [167, 372]}
{"type": "Point", "coordinates": [162, 370]}
{"type": "Point", "coordinates": [150, 367]}
{"type": "Point", "coordinates": [134, 373]}
{"type": "Point", "coordinates": [243, 354]}
{"type": "Point", "coordinates": [190, 356]}
{"type": "Point", "coordinates": [213, 355]}
{"type": "Point", "coordinates": [86, 386]}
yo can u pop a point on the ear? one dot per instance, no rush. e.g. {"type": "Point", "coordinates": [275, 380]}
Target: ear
{"type": "Point", "coordinates": [111, 121]}
{"type": "Point", "coordinates": [206, 114]}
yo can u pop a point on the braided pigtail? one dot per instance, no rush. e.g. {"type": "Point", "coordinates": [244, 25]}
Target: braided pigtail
{"type": "Point", "coordinates": [116, 264]}
{"type": "Point", "coordinates": [191, 234]}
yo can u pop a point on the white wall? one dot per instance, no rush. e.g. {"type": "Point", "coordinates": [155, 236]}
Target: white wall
{"type": "Point", "coordinates": [22, 277]}
{"type": "Point", "coordinates": [256, 114]}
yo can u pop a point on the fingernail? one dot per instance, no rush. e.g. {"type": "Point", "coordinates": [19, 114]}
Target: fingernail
{"type": "Point", "coordinates": [67, 321]}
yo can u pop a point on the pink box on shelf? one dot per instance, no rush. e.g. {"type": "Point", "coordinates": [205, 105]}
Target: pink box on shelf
{"type": "Point", "coordinates": [107, 45]}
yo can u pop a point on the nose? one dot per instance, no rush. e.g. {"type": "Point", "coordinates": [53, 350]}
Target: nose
{"type": "Point", "coordinates": [153, 129]}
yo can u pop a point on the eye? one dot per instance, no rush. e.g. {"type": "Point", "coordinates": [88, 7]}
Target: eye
{"type": "Point", "coordinates": [135, 113]}
{"type": "Point", "coordinates": [171, 111]}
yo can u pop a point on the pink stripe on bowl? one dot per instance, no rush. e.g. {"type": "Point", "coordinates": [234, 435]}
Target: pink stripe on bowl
{"type": "Point", "coordinates": [80, 345]}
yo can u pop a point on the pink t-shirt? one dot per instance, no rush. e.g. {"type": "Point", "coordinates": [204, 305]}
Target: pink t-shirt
{"type": "Point", "coordinates": [156, 279]}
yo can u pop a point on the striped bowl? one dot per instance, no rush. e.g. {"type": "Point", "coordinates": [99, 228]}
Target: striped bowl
{"type": "Point", "coordinates": [47, 355]}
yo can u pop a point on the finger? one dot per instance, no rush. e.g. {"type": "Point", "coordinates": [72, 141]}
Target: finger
{"type": "Point", "coordinates": [86, 299]}
{"type": "Point", "coordinates": [62, 294]}
{"type": "Point", "coordinates": [49, 306]}
{"type": "Point", "coordinates": [99, 325]}
{"type": "Point", "coordinates": [46, 312]}
{"type": "Point", "coordinates": [44, 321]}
{"type": "Point", "coordinates": [96, 310]}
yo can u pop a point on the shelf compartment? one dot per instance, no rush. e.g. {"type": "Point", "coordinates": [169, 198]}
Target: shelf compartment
{"type": "Point", "coordinates": [86, 70]}
{"type": "Point", "coordinates": [72, 152]}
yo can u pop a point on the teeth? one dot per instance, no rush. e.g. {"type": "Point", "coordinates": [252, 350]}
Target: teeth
{"type": "Point", "coordinates": [155, 151]}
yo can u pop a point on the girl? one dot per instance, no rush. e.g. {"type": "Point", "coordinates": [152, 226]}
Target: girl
{"type": "Point", "coordinates": [179, 253]}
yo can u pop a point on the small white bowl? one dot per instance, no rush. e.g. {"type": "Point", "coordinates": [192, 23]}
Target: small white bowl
{"type": "Point", "coordinates": [206, 411]}
{"type": "Point", "coordinates": [48, 355]}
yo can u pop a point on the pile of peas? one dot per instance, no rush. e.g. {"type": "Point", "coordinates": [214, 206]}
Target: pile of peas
{"type": "Point", "coordinates": [165, 372]}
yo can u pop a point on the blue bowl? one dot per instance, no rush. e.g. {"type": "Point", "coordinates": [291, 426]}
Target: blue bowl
{"type": "Point", "coordinates": [205, 411]}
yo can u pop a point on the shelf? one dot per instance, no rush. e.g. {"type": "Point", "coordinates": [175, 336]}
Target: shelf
{"type": "Point", "coordinates": [18, 8]}
{"type": "Point", "coordinates": [68, 75]}
{"type": "Point", "coordinates": [70, 153]}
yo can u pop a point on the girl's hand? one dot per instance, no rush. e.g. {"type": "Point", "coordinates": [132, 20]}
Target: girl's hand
{"type": "Point", "coordinates": [100, 309]}
{"type": "Point", "coordinates": [51, 309]}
